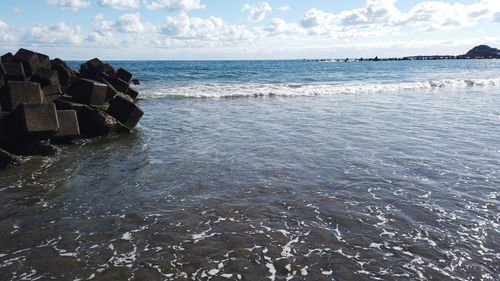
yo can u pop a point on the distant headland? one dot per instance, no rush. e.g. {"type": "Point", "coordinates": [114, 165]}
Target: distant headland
{"type": "Point", "coordinates": [478, 52]}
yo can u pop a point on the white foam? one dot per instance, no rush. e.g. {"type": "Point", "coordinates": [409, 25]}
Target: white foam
{"type": "Point", "coordinates": [127, 236]}
{"type": "Point", "coordinates": [272, 270]}
{"type": "Point", "coordinates": [224, 90]}
{"type": "Point", "coordinates": [287, 249]}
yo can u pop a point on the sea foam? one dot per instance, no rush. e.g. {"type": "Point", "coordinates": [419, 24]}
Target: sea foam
{"type": "Point", "coordinates": [228, 90]}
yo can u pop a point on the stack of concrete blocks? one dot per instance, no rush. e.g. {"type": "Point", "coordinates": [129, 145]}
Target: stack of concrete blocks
{"type": "Point", "coordinates": [45, 101]}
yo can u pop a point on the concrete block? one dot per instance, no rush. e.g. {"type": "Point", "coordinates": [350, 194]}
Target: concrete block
{"type": "Point", "coordinates": [109, 70]}
{"type": "Point", "coordinates": [92, 121]}
{"type": "Point", "coordinates": [14, 71]}
{"type": "Point", "coordinates": [57, 61]}
{"type": "Point", "coordinates": [7, 58]}
{"type": "Point", "coordinates": [6, 134]}
{"type": "Point", "coordinates": [111, 92]}
{"type": "Point", "coordinates": [88, 91]}
{"type": "Point", "coordinates": [36, 121]}
{"type": "Point", "coordinates": [52, 92]}
{"type": "Point", "coordinates": [118, 84]}
{"type": "Point", "coordinates": [92, 68]}
{"type": "Point", "coordinates": [15, 93]}
{"type": "Point", "coordinates": [29, 59]}
{"type": "Point", "coordinates": [2, 74]}
{"type": "Point", "coordinates": [125, 111]}
{"type": "Point", "coordinates": [44, 60]}
{"type": "Point", "coordinates": [123, 74]}
{"type": "Point", "coordinates": [2, 70]}
{"type": "Point", "coordinates": [68, 125]}
{"type": "Point", "coordinates": [64, 73]}
{"type": "Point", "coordinates": [132, 93]}
{"type": "Point", "coordinates": [46, 76]}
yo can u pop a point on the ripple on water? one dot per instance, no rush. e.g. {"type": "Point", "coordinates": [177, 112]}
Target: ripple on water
{"type": "Point", "coordinates": [326, 188]}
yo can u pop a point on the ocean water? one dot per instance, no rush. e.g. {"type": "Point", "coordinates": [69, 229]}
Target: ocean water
{"type": "Point", "coordinates": [273, 170]}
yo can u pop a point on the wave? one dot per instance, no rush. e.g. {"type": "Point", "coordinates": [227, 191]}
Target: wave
{"type": "Point", "coordinates": [227, 90]}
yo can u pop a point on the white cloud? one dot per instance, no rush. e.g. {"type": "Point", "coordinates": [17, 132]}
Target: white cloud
{"type": "Point", "coordinates": [257, 12]}
{"type": "Point", "coordinates": [315, 18]}
{"type": "Point", "coordinates": [431, 16]}
{"type": "Point", "coordinates": [126, 23]}
{"type": "Point", "coordinates": [101, 26]}
{"type": "Point", "coordinates": [211, 29]}
{"type": "Point", "coordinates": [375, 11]}
{"type": "Point", "coordinates": [5, 36]}
{"type": "Point", "coordinates": [175, 5]}
{"type": "Point", "coordinates": [284, 8]}
{"type": "Point", "coordinates": [279, 27]}
{"type": "Point", "coordinates": [119, 4]}
{"type": "Point", "coordinates": [58, 33]}
{"type": "Point", "coordinates": [70, 5]}
{"type": "Point", "coordinates": [496, 17]}
{"type": "Point", "coordinates": [485, 9]}
{"type": "Point", "coordinates": [382, 15]}
{"type": "Point", "coordinates": [17, 10]}
{"type": "Point", "coordinates": [131, 23]}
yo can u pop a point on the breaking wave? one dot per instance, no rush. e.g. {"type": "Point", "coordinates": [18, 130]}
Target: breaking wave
{"type": "Point", "coordinates": [227, 90]}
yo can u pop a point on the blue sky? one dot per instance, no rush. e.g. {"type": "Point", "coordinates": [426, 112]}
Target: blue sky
{"type": "Point", "coordinates": [242, 29]}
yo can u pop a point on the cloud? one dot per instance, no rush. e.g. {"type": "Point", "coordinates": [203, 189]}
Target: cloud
{"type": "Point", "coordinates": [431, 16]}
{"type": "Point", "coordinates": [315, 18]}
{"type": "Point", "coordinates": [101, 26]}
{"type": "Point", "coordinates": [257, 12]}
{"type": "Point", "coordinates": [126, 23]}
{"type": "Point", "coordinates": [58, 33]}
{"type": "Point", "coordinates": [485, 9]}
{"type": "Point", "coordinates": [380, 15]}
{"type": "Point", "coordinates": [279, 27]}
{"type": "Point", "coordinates": [211, 29]}
{"type": "Point", "coordinates": [131, 23]}
{"type": "Point", "coordinates": [5, 35]}
{"type": "Point", "coordinates": [70, 5]}
{"type": "Point", "coordinates": [103, 40]}
{"type": "Point", "coordinates": [375, 11]}
{"type": "Point", "coordinates": [496, 17]}
{"type": "Point", "coordinates": [175, 5]}
{"type": "Point", "coordinates": [284, 8]}
{"type": "Point", "coordinates": [17, 10]}
{"type": "Point", "coordinates": [119, 4]}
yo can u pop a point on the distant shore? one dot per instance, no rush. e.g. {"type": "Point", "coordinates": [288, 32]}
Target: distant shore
{"type": "Point", "coordinates": [411, 58]}
{"type": "Point", "coordinates": [478, 52]}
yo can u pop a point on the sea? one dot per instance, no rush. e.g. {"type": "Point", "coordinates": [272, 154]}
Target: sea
{"type": "Point", "coordinates": [272, 170]}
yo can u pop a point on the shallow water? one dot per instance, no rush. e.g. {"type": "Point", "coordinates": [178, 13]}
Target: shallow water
{"type": "Point", "coordinates": [379, 186]}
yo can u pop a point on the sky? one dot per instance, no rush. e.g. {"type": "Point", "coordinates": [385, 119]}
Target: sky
{"type": "Point", "coordinates": [244, 29]}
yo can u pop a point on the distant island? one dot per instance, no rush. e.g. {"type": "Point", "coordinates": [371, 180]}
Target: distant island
{"type": "Point", "coordinates": [478, 52]}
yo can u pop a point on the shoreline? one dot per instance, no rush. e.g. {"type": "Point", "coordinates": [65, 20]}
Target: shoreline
{"type": "Point", "coordinates": [411, 58]}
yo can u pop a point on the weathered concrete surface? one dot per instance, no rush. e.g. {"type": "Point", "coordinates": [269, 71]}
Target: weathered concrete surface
{"type": "Point", "coordinates": [46, 76]}
{"type": "Point", "coordinates": [29, 59]}
{"type": "Point", "coordinates": [92, 121]}
{"type": "Point", "coordinates": [35, 121]}
{"type": "Point", "coordinates": [14, 71]}
{"type": "Point", "coordinates": [88, 91]}
{"type": "Point", "coordinates": [15, 93]}
{"type": "Point", "coordinates": [123, 108]}
{"type": "Point", "coordinates": [68, 126]}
